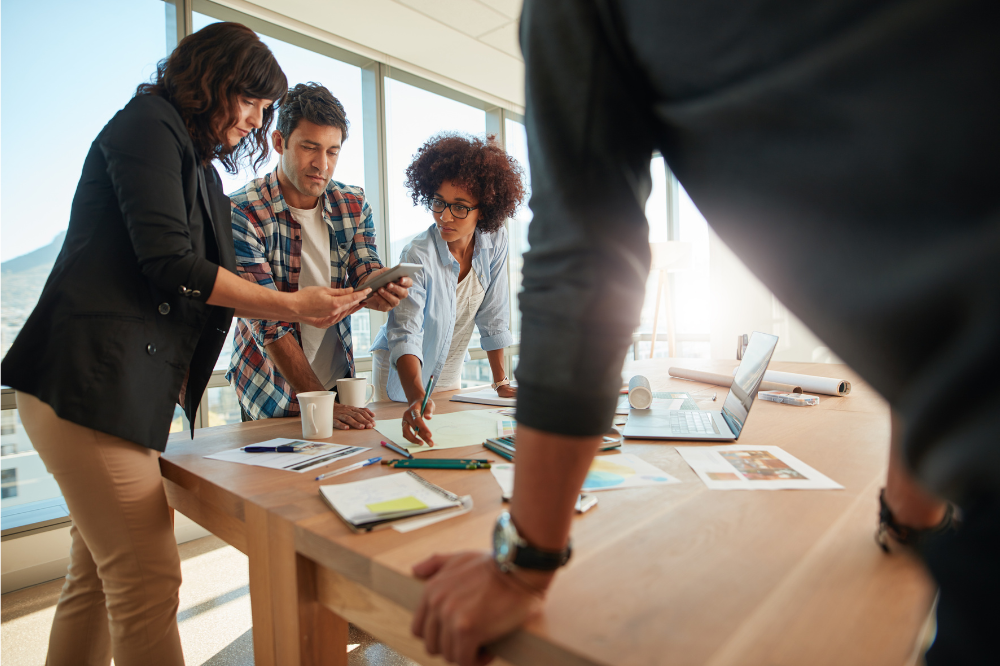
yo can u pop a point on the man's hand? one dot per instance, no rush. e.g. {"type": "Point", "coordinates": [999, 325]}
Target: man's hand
{"type": "Point", "coordinates": [346, 417]}
{"type": "Point", "coordinates": [507, 391]}
{"type": "Point", "coordinates": [414, 428]}
{"type": "Point", "coordinates": [468, 603]}
{"type": "Point", "coordinates": [323, 306]}
{"type": "Point", "coordinates": [389, 296]}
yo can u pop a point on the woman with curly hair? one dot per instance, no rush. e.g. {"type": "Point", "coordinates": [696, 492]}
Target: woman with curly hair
{"type": "Point", "coordinates": [471, 186]}
{"type": "Point", "coordinates": [131, 321]}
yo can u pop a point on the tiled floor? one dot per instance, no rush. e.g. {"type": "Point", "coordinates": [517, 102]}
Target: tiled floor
{"type": "Point", "coordinates": [214, 615]}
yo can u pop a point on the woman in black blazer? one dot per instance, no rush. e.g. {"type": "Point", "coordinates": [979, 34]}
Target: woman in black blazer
{"type": "Point", "coordinates": [131, 321]}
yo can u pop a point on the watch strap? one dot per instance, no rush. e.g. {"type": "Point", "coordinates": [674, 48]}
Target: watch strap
{"type": "Point", "coordinates": [529, 557]}
{"type": "Point", "coordinates": [502, 382]}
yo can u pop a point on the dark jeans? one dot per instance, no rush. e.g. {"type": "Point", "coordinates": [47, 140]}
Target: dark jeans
{"type": "Point", "coordinates": [966, 566]}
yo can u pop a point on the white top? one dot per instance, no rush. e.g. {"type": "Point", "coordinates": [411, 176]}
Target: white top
{"type": "Point", "coordinates": [321, 346]}
{"type": "Point", "coordinates": [469, 295]}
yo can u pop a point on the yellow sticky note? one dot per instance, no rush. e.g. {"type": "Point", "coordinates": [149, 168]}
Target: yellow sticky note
{"type": "Point", "coordinates": [409, 503]}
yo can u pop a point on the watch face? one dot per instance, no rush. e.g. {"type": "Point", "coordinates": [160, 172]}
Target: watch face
{"type": "Point", "coordinates": [503, 542]}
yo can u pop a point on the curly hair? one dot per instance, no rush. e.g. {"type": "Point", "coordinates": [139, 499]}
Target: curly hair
{"type": "Point", "coordinates": [480, 166]}
{"type": "Point", "coordinates": [204, 77]}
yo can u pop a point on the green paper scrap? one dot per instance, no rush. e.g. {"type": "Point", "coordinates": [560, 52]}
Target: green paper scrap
{"type": "Point", "coordinates": [408, 503]}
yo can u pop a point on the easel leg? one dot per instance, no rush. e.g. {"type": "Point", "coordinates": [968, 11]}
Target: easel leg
{"type": "Point", "coordinates": [656, 314]}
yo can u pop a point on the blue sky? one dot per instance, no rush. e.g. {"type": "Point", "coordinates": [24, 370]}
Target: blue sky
{"type": "Point", "coordinates": [65, 69]}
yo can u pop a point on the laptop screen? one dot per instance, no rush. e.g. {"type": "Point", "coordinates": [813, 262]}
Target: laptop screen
{"type": "Point", "coordinates": [749, 375]}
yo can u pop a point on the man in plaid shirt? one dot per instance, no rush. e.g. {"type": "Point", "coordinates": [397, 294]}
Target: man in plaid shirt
{"type": "Point", "coordinates": [297, 227]}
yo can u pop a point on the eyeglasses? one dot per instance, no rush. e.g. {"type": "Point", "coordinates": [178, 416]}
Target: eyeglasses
{"type": "Point", "coordinates": [458, 210]}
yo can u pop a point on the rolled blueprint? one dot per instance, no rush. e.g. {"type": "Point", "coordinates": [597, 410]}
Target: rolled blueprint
{"type": "Point", "coordinates": [727, 380]}
{"type": "Point", "coordinates": [809, 384]}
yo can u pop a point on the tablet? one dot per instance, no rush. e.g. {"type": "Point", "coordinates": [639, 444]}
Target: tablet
{"type": "Point", "coordinates": [391, 275]}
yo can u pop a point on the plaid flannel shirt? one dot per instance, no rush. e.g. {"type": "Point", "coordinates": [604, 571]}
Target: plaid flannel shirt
{"type": "Point", "coordinates": [268, 243]}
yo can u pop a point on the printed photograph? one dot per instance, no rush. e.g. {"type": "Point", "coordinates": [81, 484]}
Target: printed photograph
{"type": "Point", "coordinates": [760, 466]}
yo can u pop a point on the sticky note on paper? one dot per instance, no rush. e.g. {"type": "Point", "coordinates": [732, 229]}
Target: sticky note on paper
{"type": "Point", "coordinates": [409, 503]}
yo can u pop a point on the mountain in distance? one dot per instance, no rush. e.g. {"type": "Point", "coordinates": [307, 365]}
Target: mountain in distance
{"type": "Point", "coordinates": [43, 255]}
{"type": "Point", "coordinates": [21, 282]}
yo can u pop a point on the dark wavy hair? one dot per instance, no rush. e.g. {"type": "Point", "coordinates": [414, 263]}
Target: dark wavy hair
{"type": "Point", "coordinates": [312, 102]}
{"type": "Point", "coordinates": [480, 166]}
{"type": "Point", "coordinates": [204, 78]}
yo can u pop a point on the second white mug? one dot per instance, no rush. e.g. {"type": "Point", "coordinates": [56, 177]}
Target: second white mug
{"type": "Point", "coordinates": [317, 413]}
{"type": "Point", "coordinates": [354, 391]}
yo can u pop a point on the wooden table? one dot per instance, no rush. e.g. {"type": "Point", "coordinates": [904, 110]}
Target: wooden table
{"type": "Point", "coordinates": [672, 574]}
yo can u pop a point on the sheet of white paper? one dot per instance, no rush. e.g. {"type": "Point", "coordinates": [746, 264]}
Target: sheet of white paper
{"type": "Point", "coordinates": [485, 396]}
{"type": "Point", "coordinates": [320, 454]}
{"type": "Point", "coordinates": [623, 470]}
{"type": "Point", "coordinates": [741, 467]}
{"type": "Point", "coordinates": [614, 472]}
{"type": "Point", "coordinates": [449, 431]}
{"type": "Point", "coordinates": [411, 524]}
{"type": "Point", "coordinates": [504, 474]}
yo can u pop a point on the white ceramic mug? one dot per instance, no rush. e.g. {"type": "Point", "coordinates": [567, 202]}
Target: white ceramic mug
{"type": "Point", "coordinates": [317, 413]}
{"type": "Point", "coordinates": [354, 391]}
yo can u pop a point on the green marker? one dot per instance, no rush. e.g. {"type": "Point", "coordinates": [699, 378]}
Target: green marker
{"type": "Point", "coordinates": [427, 394]}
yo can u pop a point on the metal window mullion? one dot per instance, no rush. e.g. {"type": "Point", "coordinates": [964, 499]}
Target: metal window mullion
{"type": "Point", "coordinates": [376, 166]}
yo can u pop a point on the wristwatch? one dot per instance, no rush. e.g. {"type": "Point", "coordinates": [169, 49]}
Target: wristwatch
{"type": "Point", "coordinates": [502, 382]}
{"type": "Point", "coordinates": [511, 551]}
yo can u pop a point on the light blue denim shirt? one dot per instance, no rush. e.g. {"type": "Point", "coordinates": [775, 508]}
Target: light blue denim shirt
{"type": "Point", "coordinates": [423, 324]}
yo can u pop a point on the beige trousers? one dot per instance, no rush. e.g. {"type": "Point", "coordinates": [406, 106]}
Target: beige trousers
{"type": "Point", "coordinates": [121, 593]}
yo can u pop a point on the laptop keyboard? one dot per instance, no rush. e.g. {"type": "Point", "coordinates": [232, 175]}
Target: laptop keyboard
{"type": "Point", "coordinates": [690, 422]}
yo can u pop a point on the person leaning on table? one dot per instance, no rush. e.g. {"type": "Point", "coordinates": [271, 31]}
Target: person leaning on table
{"type": "Point", "coordinates": [131, 321]}
{"type": "Point", "coordinates": [806, 137]}
{"type": "Point", "coordinates": [471, 187]}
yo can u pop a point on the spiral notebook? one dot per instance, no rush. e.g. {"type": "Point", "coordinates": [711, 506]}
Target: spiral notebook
{"type": "Point", "coordinates": [372, 503]}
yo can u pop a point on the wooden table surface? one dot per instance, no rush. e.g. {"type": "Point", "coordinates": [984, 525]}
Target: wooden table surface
{"type": "Point", "coordinates": [675, 574]}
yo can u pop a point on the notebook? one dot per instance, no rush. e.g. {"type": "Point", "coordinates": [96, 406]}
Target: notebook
{"type": "Point", "coordinates": [371, 503]}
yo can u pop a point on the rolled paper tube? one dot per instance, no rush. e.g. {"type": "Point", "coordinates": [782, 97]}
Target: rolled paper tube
{"type": "Point", "coordinates": [775, 386]}
{"type": "Point", "coordinates": [727, 380]}
{"type": "Point", "coordinates": [640, 395]}
{"type": "Point", "coordinates": [809, 383]}
{"type": "Point", "coordinates": [702, 376]}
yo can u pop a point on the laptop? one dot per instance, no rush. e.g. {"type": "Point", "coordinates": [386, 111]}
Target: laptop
{"type": "Point", "coordinates": [724, 425]}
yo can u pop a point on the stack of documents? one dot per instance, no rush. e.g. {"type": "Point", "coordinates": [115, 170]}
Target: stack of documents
{"type": "Point", "coordinates": [371, 503]}
{"type": "Point", "coordinates": [485, 396]}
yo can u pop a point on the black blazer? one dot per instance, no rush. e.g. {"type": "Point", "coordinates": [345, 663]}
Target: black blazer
{"type": "Point", "coordinates": [122, 318]}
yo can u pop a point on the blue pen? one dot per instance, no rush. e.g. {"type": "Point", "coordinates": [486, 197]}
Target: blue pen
{"type": "Point", "coordinates": [349, 468]}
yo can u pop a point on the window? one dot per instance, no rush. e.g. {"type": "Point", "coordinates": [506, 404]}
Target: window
{"type": "Point", "coordinates": [412, 116]}
{"type": "Point", "coordinates": [56, 43]}
{"type": "Point", "coordinates": [36, 136]}
{"type": "Point", "coordinates": [691, 287]}
{"type": "Point", "coordinates": [8, 483]}
{"type": "Point", "coordinates": [344, 81]}
{"type": "Point", "coordinates": [517, 147]}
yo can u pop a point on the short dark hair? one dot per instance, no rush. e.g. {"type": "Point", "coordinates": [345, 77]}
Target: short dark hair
{"type": "Point", "coordinates": [478, 165]}
{"type": "Point", "coordinates": [314, 103]}
{"type": "Point", "coordinates": [204, 77]}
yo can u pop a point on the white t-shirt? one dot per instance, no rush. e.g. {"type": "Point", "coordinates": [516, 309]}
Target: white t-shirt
{"type": "Point", "coordinates": [322, 347]}
{"type": "Point", "coordinates": [469, 295]}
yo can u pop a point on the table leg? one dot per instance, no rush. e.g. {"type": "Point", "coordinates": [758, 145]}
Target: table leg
{"type": "Point", "coordinates": [290, 627]}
